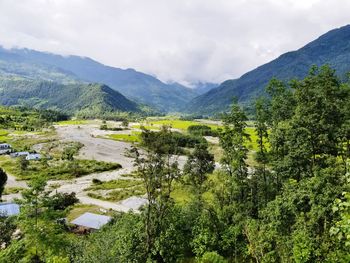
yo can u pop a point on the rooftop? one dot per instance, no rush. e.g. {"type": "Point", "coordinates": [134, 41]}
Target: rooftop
{"type": "Point", "coordinates": [91, 220]}
{"type": "Point", "coordinates": [9, 209]}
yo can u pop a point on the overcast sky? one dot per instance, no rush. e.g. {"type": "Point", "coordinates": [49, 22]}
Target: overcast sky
{"type": "Point", "coordinates": [175, 40]}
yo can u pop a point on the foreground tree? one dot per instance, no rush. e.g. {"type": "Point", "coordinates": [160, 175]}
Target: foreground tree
{"type": "Point", "coordinates": [199, 164]}
{"type": "Point", "coordinates": [159, 169]}
{"type": "Point", "coordinates": [3, 180]}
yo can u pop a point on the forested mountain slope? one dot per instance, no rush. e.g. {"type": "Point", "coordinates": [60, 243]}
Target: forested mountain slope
{"type": "Point", "coordinates": [135, 85]}
{"type": "Point", "coordinates": [69, 98]}
{"type": "Point", "coordinates": [332, 48]}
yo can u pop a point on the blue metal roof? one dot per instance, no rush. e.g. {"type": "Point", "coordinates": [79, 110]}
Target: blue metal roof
{"type": "Point", "coordinates": [91, 220]}
{"type": "Point", "coordinates": [9, 209]}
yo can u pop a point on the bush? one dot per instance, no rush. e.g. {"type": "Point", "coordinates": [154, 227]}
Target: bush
{"type": "Point", "coordinates": [104, 127]}
{"type": "Point", "coordinates": [96, 181]}
{"type": "Point", "coordinates": [61, 201]}
{"type": "Point", "coordinates": [166, 141]}
{"type": "Point", "coordinates": [212, 257]}
{"type": "Point", "coordinates": [201, 130]}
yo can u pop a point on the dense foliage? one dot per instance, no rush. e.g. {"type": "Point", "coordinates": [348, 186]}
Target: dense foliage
{"type": "Point", "coordinates": [20, 118]}
{"type": "Point", "coordinates": [201, 130]}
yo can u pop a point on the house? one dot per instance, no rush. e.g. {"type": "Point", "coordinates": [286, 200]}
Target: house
{"type": "Point", "coordinates": [5, 148]}
{"type": "Point", "coordinates": [33, 157]}
{"type": "Point", "coordinates": [9, 209]}
{"type": "Point", "coordinates": [19, 154]}
{"type": "Point", "coordinates": [91, 221]}
{"type": "Point", "coordinates": [134, 203]}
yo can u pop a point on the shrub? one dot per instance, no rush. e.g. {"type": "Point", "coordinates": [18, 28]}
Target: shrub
{"type": "Point", "coordinates": [201, 130]}
{"type": "Point", "coordinates": [61, 201]}
{"type": "Point", "coordinates": [212, 257]}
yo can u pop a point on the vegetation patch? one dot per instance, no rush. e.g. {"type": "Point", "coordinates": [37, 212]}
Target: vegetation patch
{"type": "Point", "coordinates": [134, 137]}
{"type": "Point", "coordinates": [72, 122]}
{"type": "Point", "coordinates": [54, 169]}
{"type": "Point", "coordinates": [113, 184]}
{"type": "Point", "coordinates": [79, 209]}
{"type": "Point", "coordinates": [12, 190]}
{"type": "Point", "coordinates": [177, 124]}
{"type": "Point", "coordinates": [120, 194]}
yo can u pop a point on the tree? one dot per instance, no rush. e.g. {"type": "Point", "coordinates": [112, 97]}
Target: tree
{"type": "Point", "coordinates": [262, 182]}
{"type": "Point", "coordinates": [3, 180]}
{"type": "Point", "coordinates": [23, 163]}
{"type": "Point", "coordinates": [158, 170]}
{"type": "Point", "coordinates": [198, 165]}
{"type": "Point", "coordinates": [232, 140]}
{"type": "Point", "coordinates": [7, 228]}
{"type": "Point", "coordinates": [44, 236]}
{"type": "Point", "coordinates": [125, 123]}
{"type": "Point", "coordinates": [68, 153]}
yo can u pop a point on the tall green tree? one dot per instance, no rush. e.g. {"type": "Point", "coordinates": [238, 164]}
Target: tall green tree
{"type": "Point", "coordinates": [233, 138]}
{"type": "Point", "coordinates": [3, 180]}
{"type": "Point", "coordinates": [159, 169]}
{"type": "Point", "coordinates": [199, 164]}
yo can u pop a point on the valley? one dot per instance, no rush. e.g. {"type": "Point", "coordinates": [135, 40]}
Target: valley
{"type": "Point", "coordinates": [99, 145]}
{"type": "Point", "coordinates": [184, 162]}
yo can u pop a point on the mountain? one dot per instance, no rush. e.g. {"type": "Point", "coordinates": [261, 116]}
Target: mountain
{"type": "Point", "coordinates": [70, 98]}
{"type": "Point", "coordinates": [332, 48]}
{"type": "Point", "coordinates": [135, 85]}
{"type": "Point", "coordinates": [203, 87]}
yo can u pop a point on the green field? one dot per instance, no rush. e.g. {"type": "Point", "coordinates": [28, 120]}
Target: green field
{"type": "Point", "coordinates": [72, 122]}
{"type": "Point", "coordinates": [4, 136]}
{"type": "Point", "coordinates": [134, 137]}
{"type": "Point", "coordinates": [114, 184]}
{"type": "Point", "coordinates": [176, 124]}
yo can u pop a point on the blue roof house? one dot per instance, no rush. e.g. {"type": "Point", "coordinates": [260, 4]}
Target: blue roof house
{"type": "Point", "coordinates": [9, 209]}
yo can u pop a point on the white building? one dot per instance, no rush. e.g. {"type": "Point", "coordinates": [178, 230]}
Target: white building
{"type": "Point", "coordinates": [5, 148]}
{"type": "Point", "coordinates": [91, 220]}
{"type": "Point", "coordinates": [33, 157]}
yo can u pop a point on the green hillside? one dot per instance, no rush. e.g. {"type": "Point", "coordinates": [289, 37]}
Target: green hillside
{"type": "Point", "coordinates": [332, 48]}
{"type": "Point", "coordinates": [69, 98]}
{"type": "Point", "coordinates": [135, 85]}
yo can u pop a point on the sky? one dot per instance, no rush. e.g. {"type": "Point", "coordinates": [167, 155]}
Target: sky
{"type": "Point", "coordinates": [186, 41]}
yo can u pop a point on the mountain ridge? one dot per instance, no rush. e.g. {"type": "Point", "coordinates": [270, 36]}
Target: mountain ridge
{"type": "Point", "coordinates": [69, 98]}
{"type": "Point", "coordinates": [331, 48]}
{"type": "Point", "coordinates": [135, 85]}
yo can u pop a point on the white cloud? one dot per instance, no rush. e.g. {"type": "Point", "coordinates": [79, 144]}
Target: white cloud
{"type": "Point", "coordinates": [182, 40]}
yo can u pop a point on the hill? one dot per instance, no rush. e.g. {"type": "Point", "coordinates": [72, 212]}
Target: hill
{"type": "Point", "coordinates": [332, 48]}
{"type": "Point", "coordinates": [135, 85]}
{"type": "Point", "coordinates": [69, 98]}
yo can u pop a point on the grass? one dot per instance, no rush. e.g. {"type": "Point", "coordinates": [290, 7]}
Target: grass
{"type": "Point", "coordinates": [55, 169]}
{"type": "Point", "coordinates": [12, 190]}
{"type": "Point", "coordinates": [73, 122]}
{"type": "Point", "coordinates": [148, 127]}
{"type": "Point", "coordinates": [134, 137]}
{"type": "Point", "coordinates": [80, 209]}
{"type": "Point", "coordinates": [114, 184]}
{"type": "Point", "coordinates": [120, 194]}
{"type": "Point", "coordinates": [176, 124]}
{"type": "Point", "coordinates": [121, 189]}
{"type": "Point", "coordinates": [24, 143]}
{"type": "Point", "coordinates": [4, 136]}
{"type": "Point", "coordinates": [181, 194]}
